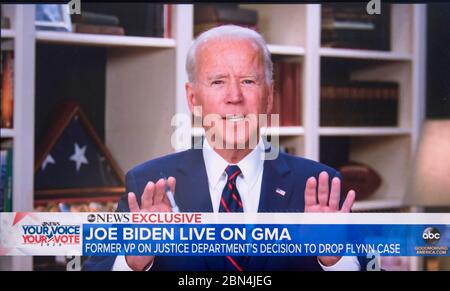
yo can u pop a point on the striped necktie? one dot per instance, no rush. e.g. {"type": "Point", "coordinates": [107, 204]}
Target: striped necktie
{"type": "Point", "coordinates": [231, 202]}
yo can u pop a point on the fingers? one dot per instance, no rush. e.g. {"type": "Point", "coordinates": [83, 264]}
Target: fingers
{"type": "Point", "coordinates": [172, 183]}
{"type": "Point", "coordinates": [154, 194]}
{"type": "Point", "coordinates": [323, 193]}
{"type": "Point", "coordinates": [323, 189]}
{"type": "Point", "coordinates": [148, 196]}
{"type": "Point", "coordinates": [132, 202]}
{"type": "Point", "coordinates": [349, 200]}
{"type": "Point", "coordinates": [160, 191]}
{"type": "Point", "coordinates": [310, 192]}
{"type": "Point", "coordinates": [335, 194]}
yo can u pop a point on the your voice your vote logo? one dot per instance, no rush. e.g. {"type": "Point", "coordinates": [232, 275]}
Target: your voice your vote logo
{"type": "Point", "coordinates": [50, 233]}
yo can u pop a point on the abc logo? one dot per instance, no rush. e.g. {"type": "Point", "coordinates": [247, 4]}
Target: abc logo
{"type": "Point", "coordinates": [431, 235]}
{"type": "Point", "coordinates": [91, 218]}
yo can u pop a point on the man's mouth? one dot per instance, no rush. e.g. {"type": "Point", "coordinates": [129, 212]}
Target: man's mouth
{"type": "Point", "coordinates": [235, 117]}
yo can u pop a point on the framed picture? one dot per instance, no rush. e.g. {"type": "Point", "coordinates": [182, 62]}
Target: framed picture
{"type": "Point", "coordinates": [53, 17]}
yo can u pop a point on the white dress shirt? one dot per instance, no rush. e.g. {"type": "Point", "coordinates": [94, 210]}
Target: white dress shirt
{"type": "Point", "coordinates": [248, 184]}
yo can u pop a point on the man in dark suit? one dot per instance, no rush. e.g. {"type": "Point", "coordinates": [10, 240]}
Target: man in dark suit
{"type": "Point", "coordinates": [230, 80]}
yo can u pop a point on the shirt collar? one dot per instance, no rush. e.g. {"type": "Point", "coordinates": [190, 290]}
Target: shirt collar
{"type": "Point", "coordinates": [215, 165]}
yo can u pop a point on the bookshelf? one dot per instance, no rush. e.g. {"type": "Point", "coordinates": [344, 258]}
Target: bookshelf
{"type": "Point", "coordinates": [364, 54]}
{"type": "Point", "coordinates": [7, 133]}
{"type": "Point", "coordinates": [377, 205]}
{"type": "Point", "coordinates": [22, 133]}
{"type": "Point", "coordinates": [287, 50]}
{"type": "Point", "coordinates": [361, 131]}
{"type": "Point", "coordinates": [144, 88]}
{"type": "Point", "coordinates": [7, 33]}
{"type": "Point", "coordinates": [102, 40]}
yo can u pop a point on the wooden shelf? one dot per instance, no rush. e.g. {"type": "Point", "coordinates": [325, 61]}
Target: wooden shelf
{"type": "Point", "coordinates": [7, 133]}
{"type": "Point", "coordinates": [286, 50]}
{"type": "Point", "coordinates": [377, 204]}
{"type": "Point", "coordinates": [364, 54]}
{"type": "Point", "coordinates": [7, 33]}
{"type": "Point", "coordinates": [103, 40]}
{"type": "Point", "coordinates": [283, 131]}
{"type": "Point", "coordinates": [326, 131]}
{"type": "Point", "coordinates": [363, 131]}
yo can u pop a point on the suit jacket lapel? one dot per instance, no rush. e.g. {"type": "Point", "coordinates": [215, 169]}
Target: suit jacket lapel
{"type": "Point", "coordinates": [275, 176]}
{"type": "Point", "coordinates": [192, 194]}
{"type": "Point", "coordinates": [192, 190]}
{"type": "Point", "coordinates": [276, 187]}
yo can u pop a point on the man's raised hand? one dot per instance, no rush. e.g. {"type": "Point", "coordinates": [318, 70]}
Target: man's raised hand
{"type": "Point", "coordinates": [153, 199]}
{"type": "Point", "coordinates": [322, 199]}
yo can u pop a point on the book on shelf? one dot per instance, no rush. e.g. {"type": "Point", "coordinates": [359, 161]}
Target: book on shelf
{"type": "Point", "coordinates": [359, 103]}
{"type": "Point", "coordinates": [288, 93]}
{"type": "Point", "coordinates": [347, 25]}
{"type": "Point", "coordinates": [5, 23]}
{"type": "Point", "coordinates": [7, 85]}
{"type": "Point", "coordinates": [97, 29]}
{"type": "Point", "coordinates": [207, 16]}
{"type": "Point", "coordinates": [204, 13]}
{"type": "Point", "coordinates": [88, 17]}
{"type": "Point", "coordinates": [139, 19]}
{"type": "Point", "coordinates": [6, 187]}
{"type": "Point", "coordinates": [201, 27]}
{"type": "Point", "coordinates": [96, 23]}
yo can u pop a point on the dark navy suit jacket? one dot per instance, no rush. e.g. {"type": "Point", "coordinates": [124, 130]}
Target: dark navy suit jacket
{"type": "Point", "coordinates": [192, 195]}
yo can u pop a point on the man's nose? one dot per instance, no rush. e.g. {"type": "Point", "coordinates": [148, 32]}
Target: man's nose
{"type": "Point", "coordinates": [234, 94]}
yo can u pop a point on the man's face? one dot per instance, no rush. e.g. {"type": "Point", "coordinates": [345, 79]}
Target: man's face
{"type": "Point", "coordinates": [231, 88]}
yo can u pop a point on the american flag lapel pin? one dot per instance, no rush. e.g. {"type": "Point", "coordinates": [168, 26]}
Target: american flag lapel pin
{"type": "Point", "coordinates": [280, 192]}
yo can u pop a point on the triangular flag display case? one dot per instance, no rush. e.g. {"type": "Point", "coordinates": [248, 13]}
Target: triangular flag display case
{"type": "Point", "coordinates": [73, 164]}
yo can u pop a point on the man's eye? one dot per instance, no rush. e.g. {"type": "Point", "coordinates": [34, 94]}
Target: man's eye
{"type": "Point", "coordinates": [248, 82]}
{"type": "Point", "coordinates": [217, 82]}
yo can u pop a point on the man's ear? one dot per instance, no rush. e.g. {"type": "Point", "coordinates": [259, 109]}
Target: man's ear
{"type": "Point", "coordinates": [269, 104]}
{"type": "Point", "coordinates": [191, 100]}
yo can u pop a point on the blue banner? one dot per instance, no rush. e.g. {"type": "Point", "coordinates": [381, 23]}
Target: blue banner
{"type": "Point", "coordinates": [266, 239]}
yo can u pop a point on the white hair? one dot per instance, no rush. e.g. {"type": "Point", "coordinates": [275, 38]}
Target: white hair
{"type": "Point", "coordinates": [233, 32]}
